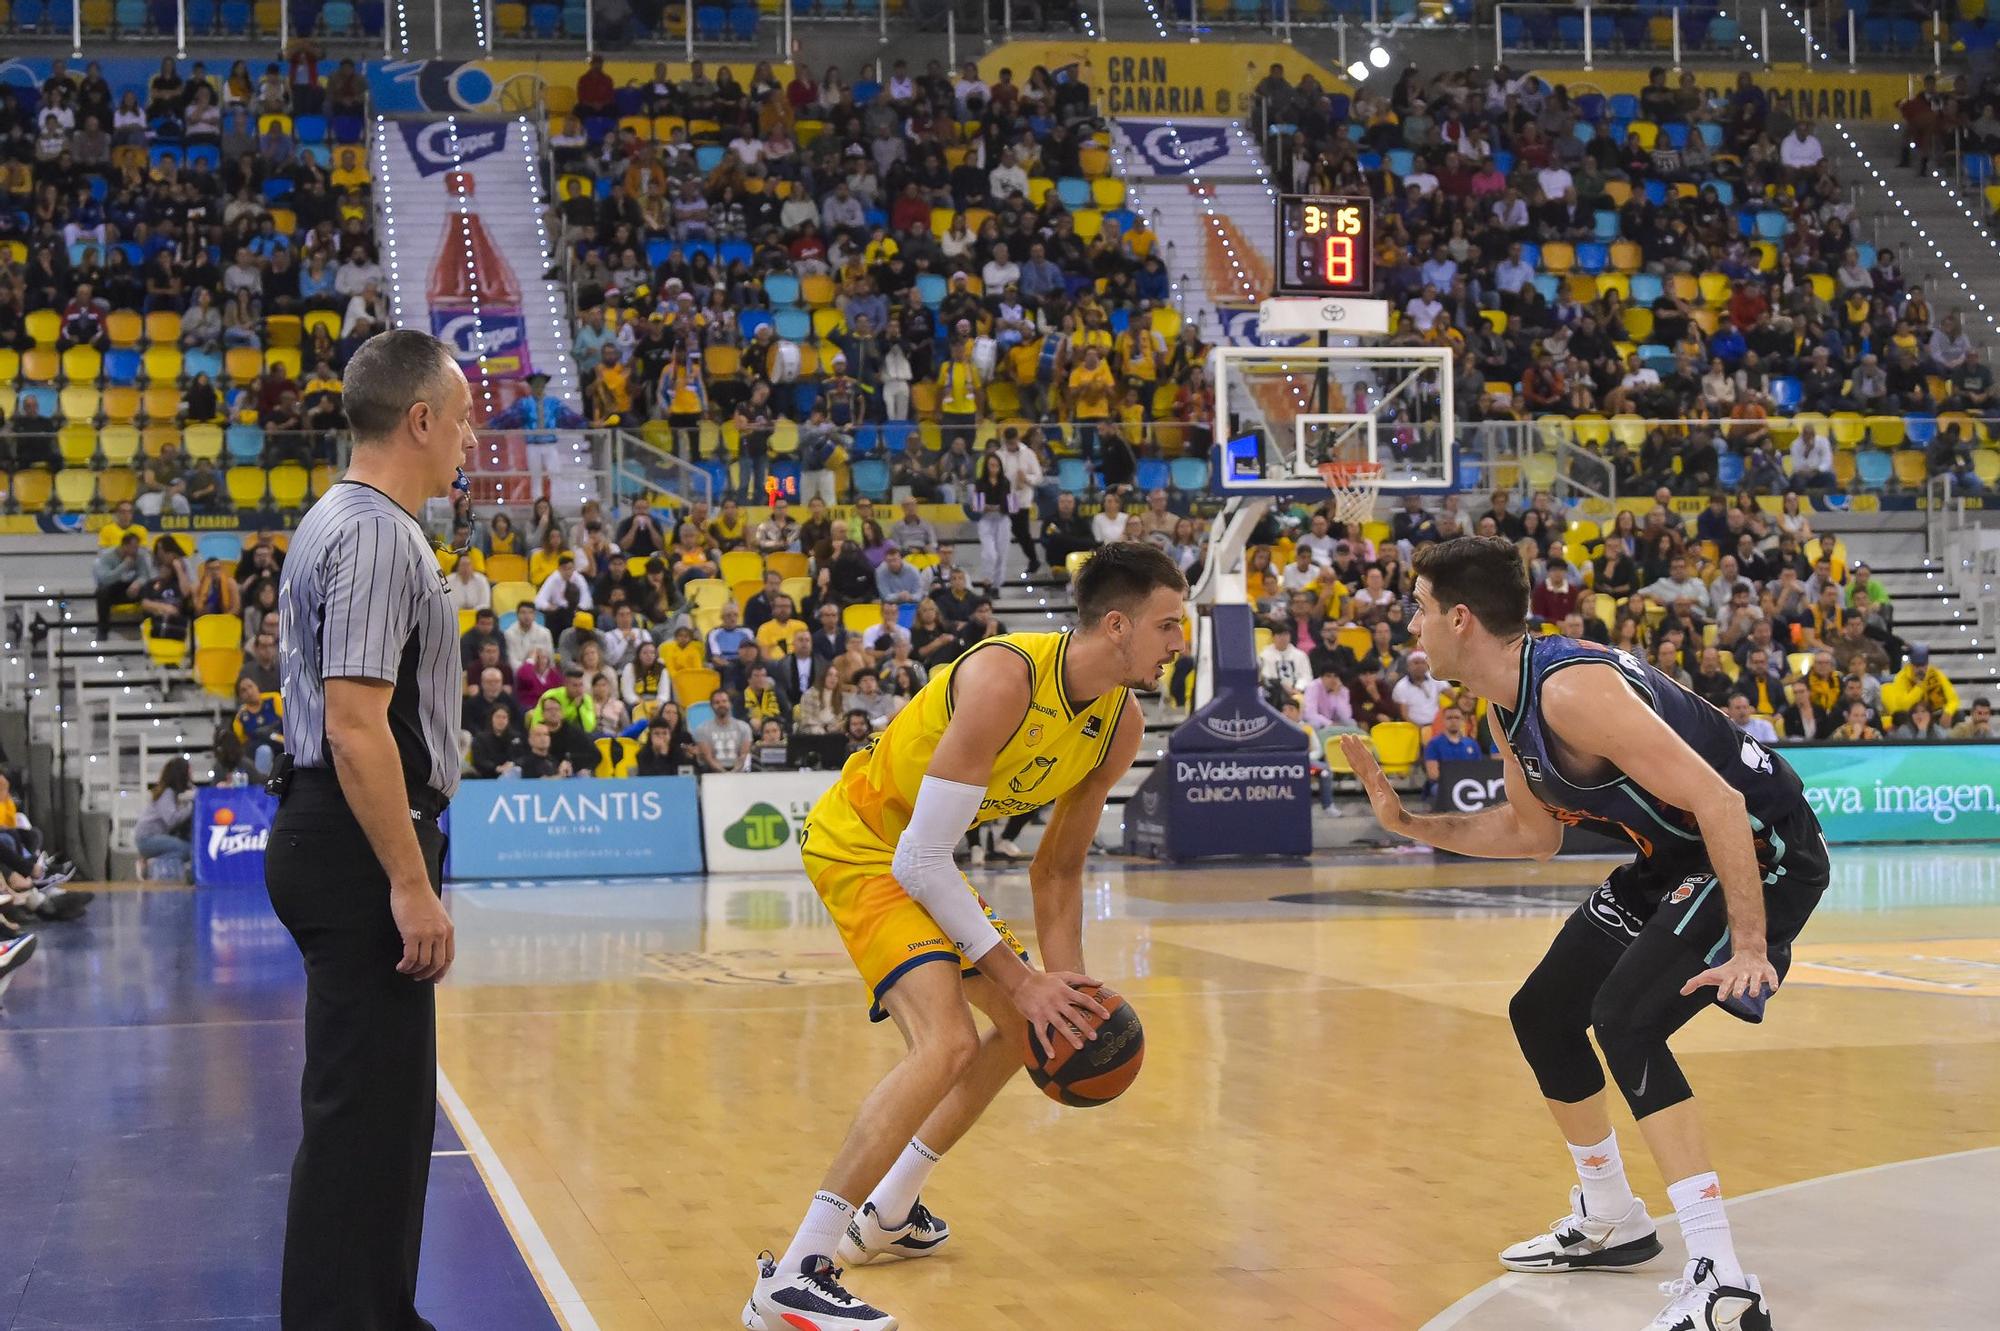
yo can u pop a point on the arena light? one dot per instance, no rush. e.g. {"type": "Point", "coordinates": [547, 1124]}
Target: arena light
{"type": "Point", "coordinates": [1358, 71]}
{"type": "Point", "coordinates": [1378, 58]}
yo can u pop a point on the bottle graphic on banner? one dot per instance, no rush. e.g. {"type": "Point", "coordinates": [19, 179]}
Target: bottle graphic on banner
{"type": "Point", "coordinates": [490, 320]}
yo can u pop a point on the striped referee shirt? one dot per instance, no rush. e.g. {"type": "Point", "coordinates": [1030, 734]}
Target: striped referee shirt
{"type": "Point", "coordinates": [361, 597]}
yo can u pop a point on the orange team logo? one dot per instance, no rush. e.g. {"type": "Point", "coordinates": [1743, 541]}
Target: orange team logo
{"type": "Point", "coordinates": [1711, 1192]}
{"type": "Point", "coordinates": [1681, 893]}
{"type": "Point", "coordinates": [1596, 1161]}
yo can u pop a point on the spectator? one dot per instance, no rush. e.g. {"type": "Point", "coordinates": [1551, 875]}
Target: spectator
{"type": "Point", "coordinates": [1918, 724]}
{"type": "Point", "coordinates": [496, 745]}
{"type": "Point", "coordinates": [896, 582]}
{"type": "Point", "coordinates": [1282, 668]}
{"type": "Point", "coordinates": [123, 574]}
{"type": "Point", "coordinates": [164, 831]}
{"type": "Point", "coordinates": [525, 636]}
{"type": "Point", "coordinates": [1978, 722]}
{"type": "Point", "coordinates": [1856, 726]}
{"type": "Point", "coordinates": [669, 750]}
{"type": "Point", "coordinates": [542, 760]}
{"type": "Point", "coordinates": [1417, 693]}
{"type": "Point", "coordinates": [723, 742]}
{"type": "Point", "coordinates": [536, 675]}
{"type": "Point", "coordinates": [1750, 723]}
{"type": "Point", "coordinates": [1919, 680]}
{"type": "Point", "coordinates": [469, 588]}
{"type": "Point", "coordinates": [1451, 744]}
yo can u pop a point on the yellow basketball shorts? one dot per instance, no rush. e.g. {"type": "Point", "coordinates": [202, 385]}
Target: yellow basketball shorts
{"type": "Point", "coordinates": [886, 932]}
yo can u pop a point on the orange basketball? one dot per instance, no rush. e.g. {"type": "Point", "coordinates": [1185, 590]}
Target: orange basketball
{"type": "Point", "coordinates": [1100, 1071]}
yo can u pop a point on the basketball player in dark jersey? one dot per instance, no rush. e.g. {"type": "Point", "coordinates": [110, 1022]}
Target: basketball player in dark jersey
{"type": "Point", "coordinates": [1731, 863]}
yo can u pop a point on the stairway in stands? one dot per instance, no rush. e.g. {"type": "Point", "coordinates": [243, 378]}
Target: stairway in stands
{"type": "Point", "coordinates": [1203, 187]}
{"type": "Point", "coordinates": [1928, 609]}
{"type": "Point", "coordinates": [1928, 224]}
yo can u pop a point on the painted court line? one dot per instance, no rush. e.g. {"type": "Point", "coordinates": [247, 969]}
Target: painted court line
{"type": "Point", "coordinates": [534, 1244]}
{"type": "Point", "coordinates": [1456, 1314]}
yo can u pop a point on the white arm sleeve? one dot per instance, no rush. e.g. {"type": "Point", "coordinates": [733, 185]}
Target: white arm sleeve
{"type": "Point", "coordinates": [924, 869]}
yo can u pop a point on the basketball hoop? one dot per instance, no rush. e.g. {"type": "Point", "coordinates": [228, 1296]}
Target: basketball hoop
{"type": "Point", "coordinates": [1356, 486]}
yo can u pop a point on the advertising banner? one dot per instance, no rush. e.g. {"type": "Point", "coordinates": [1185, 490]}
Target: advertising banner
{"type": "Point", "coordinates": [469, 204]}
{"type": "Point", "coordinates": [1235, 779]}
{"type": "Point", "coordinates": [1468, 787]}
{"type": "Point", "coordinates": [1902, 792]}
{"type": "Point", "coordinates": [1168, 149]}
{"type": "Point", "coordinates": [231, 826]}
{"type": "Point", "coordinates": [1820, 94]}
{"type": "Point", "coordinates": [1880, 792]}
{"type": "Point", "coordinates": [638, 826]}
{"type": "Point", "coordinates": [750, 820]}
{"type": "Point", "coordinates": [1161, 78]}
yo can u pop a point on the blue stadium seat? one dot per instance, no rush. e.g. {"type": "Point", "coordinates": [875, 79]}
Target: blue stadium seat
{"type": "Point", "coordinates": [544, 20]}
{"type": "Point", "coordinates": [743, 23]}
{"type": "Point", "coordinates": [1592, 258]}
{"type": "Point", "coordinates": [782, 288]}
{"type": "Point", "coordinates": [749, 321]}
{"type": "Point", "coordinates": [1153, 474]}
{"type": "Point", "coordinates": [1075, 192]}
{"type": "Point", "coordinates": [1624, 106]}
{"type": "Point", "coordinates": [1189, 475]}
{"type": "Point", "coordinates": [236, 17]}
{"type": "Point", "coordinates": [1646, 288]}
{"type": "Point", "coordinates": [223, 545]}
{"type": "Point", "coordinates": [574, 20]}
{"type": "Point", "coordinates": [201, 362]}
{"type": "Point", "coordinates": [1785, 392]}
{"type": "Point", "coordinates": [896, 436]}
{"type": "Point", "coordinates": [309, 129]}
{"type": "Point", "coordinates": [1729, 469]}
{"type": "Point", "coordinates": [122, 366]}
{"type": "Point", "coordinates": [708, 156]}
{"type": "Point", "coordinates": [201, 16]}
{"type": "Point", "coordinates": [795, 325]}
{"type": "Point", "coordinates": [1918, 431]}
{"type": "Point", "coordinates": [710, 22]}
{"type": "Point", "coordinates": [337, 18]}
{"type": "Point", "coordinates": [871, 477]}
{"type": "Point", "coordinates": [130, 15]}
{"type": "Point", "coordinates": [244, 442]}
{"type": "Point", "coordinates": [1873, 468]}
{"type": "Point", "coordinates": [1072, 476]}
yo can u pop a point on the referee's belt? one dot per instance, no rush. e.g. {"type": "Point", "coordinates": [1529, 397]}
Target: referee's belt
{"type": "Point", "coordinates": [425, 805]}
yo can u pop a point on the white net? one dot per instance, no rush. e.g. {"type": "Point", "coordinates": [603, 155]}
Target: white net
{"type": "Point", "coordinates": [1356, 486]}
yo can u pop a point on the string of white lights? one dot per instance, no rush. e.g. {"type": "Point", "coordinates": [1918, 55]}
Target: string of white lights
{"type": "Point", "coordinates": [1896, 201]}
{"type": "Point", "coordinates": [1743, 38]}
{"type": "Point", "coordinates": [1089, 23]}
{"type": "Point", "coordinates": [1943, 182]}
{"type": "Point", "coordinates": [383, 182]}
{"type": "Point", "coordinates": [1159, 22]}
{"type": "Point", "coordinates": [403, 25]}
{"type": "Point", "coordinates": [480, 38]}
{"type": "Point", "coordinates": [1799, 24]}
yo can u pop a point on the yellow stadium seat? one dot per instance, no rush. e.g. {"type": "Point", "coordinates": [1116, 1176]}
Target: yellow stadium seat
{"type": "Point", "coordinates": [77, 488]}
{"type": "Point", "coordinates": [216, 669]}
{"type": "Point", "coordinates": [1558, 257]}
{"type": "Point", "coordinates": [289, 482]}
{"type": "Point", "coordinates": [1089, 222]}
{"type": "Point", "coordinates": [162, 363]}
{"type": "Point", "coordinates": [1844, 468]}
{"type": "Point", "coordinates": [742, 566]}
{"type": "Point", "coordinates": [1626, 258]}
{"type": "Point", "coordinates": [163, 326]}
{"type": "Point", "coordinates": [1885, 431]}
{"type": "Point", "coordinates": [119, 444]}
{"type": "Point", "coordinates": [817, 290]}
{"type": "Point", "coordinates": [1847, 427]}
{"type": "Point", "coordinates": [203, 441]}
{"type": "Point", "coordinates": [40, 365]}
{"type": "Point", "coordinates": [506, 568]}
{"type": "Point", "coordinates": [77, 445]}
{"type": "Point", "coordinates": [1397, 746]}
{"type": "Point", "coordinates": [1108, 193]}
{"type": "Point", "coordinates": [10, 370]}
{"type": "Point", "coordinates": [120, 404]}
{"type": "Point", "coordinates": [245, 485]}
{"type": "Point", "coordinates": [44, 327]}
{"type": "Point", "coordinates": [861, 618]}
{"type": "Point", "coordinates": [707, 593]}
{"type": "Point", "coordinates": [159, 402]}
{"type": "Point", "coordinates": [318, 319]}
{"type": "Point", "coordinates": [1592, 431]}
{"type": "Point", "coordinates": [288, 359]}
{"type": "Point", "coordinates": [83, 365]}
{"type": "Point", "coordinates": [1639, 324]}
{"type": "Point", "coordinates": [1822, 286]}
{"type": "Point", "coordinates": [124, 328]}
{"type": "Point", "coordinates": [283, 330]}
{"type": "Point", "coordinates": [242, 364]}
{"type": "Point", "coordinates": [1094, 162]}
{"type": "Point", "coordinates": [323, 476]}
{"type": "Point", "coordinates": [32, 489]}
{"type": "Point", "coordinates": [115, 485]}
{"type": "Point", "coordinates": [1714, 288]}
{"type": "Point", "coordinates": [693, 686]}
{"type": "Point", "coordinates": [166, 653]}
{"type": "Point", "coordinates": [78, 402]}
{"type": "Point", "coordinates": [1910, 467]}
{"type": "Point", "coordinates": [798, 588]}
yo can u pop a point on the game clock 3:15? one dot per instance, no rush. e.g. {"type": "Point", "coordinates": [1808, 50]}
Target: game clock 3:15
{"type": "Point", "coordinates": [1326, 245]}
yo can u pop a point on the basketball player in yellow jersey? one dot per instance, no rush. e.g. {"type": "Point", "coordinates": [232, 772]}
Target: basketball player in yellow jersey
{"type": "Point", "coordinates": [1019, 721]}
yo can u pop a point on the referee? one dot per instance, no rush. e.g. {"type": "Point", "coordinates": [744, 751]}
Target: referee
{"type": "Point", "coordinates": [369, 643]}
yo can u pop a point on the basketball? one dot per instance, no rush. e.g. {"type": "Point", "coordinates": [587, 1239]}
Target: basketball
{"type": "Point", "coordinates": [1099, 1072]}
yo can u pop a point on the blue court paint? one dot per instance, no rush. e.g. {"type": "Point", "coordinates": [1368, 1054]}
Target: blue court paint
{"type": "Point", "coordinates": [157, 1045]}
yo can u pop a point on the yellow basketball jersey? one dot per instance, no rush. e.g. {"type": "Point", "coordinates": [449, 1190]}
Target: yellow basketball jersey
{"type": "Point", "coordinates": [1056, 745]}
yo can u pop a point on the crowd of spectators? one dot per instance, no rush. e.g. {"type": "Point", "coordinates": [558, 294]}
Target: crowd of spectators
{"type": "Point", "coordinates": [1749, 610]}
{"type": "Point", "coordinates": [195, 252]}
{"type": "Point", "coordinates": [620, 640]}
{"type": "Point", "coordinates": [1670, 257]}
{"type": "Point", "coordinates": [785, 268]}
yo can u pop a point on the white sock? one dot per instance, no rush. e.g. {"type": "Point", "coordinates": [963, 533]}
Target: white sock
{"type": "Point", "coordinates": [1606, 1194]}
{"type": "Point", "coordinates": [1698, 1203]}
{"type": "Point", "coordinates": [897, 1193]}
{"type": "Point", "coordinates": [819, 1233]}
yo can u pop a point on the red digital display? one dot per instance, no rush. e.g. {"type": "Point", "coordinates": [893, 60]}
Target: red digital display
{"type": "Point", "coordinates": [1326, 246]}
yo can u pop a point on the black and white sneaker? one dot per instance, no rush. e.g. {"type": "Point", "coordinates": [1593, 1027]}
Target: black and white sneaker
{"type": "Point", "coordinates": [14, 953]}
{"type": "Point", "coordinates": [1583, 1242]}
{"type": "Point", "coordinates": [1700, 1302]}
{"type": "Point", "coordinates": [809, 1299]}
{"type": "Point", "coordinates": [867, 1238]}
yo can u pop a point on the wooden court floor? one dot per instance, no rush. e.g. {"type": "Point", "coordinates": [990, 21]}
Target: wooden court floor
{"type": "Point", "coordinates": [1333, 1128]}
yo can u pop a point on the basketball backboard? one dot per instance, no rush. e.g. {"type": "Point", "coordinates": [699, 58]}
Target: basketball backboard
{"type": "Point", "coordinates": [1281, 411]}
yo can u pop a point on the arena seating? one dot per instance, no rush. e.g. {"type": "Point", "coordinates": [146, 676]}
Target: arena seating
{"type": "Point", "coordinates": [165, 379]}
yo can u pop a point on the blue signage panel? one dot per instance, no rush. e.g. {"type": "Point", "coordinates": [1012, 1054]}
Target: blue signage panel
{"type": "Point", "coordinates": [231, 826]}
{"type": "Point", "coordinates": [639, 826]}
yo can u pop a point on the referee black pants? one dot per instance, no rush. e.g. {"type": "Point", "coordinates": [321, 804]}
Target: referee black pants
{"type": "Point", "coordinates": [355, 1221]}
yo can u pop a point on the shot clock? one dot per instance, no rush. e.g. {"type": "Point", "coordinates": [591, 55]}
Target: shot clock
{"type": "Point", "coordinates": [1326, 245]}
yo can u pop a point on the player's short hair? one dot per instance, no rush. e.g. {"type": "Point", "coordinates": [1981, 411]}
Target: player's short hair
{"type": "Point", "coordinates": [388, 374]}
{"type": "Point", "coordinates": [1119, 576]}
{"type": "Point", "coordinates": [1482, 573]}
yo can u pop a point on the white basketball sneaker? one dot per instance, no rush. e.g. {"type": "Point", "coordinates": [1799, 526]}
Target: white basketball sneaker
{"type": "Point", "coordinates": [809, 1299]}
{"type": "Point", "coordinates": [1584, 1242]}
{"type": "Point", "coordinates": [1699, 1302]}
{"type": "Point", "coordinates": [867, 1238]}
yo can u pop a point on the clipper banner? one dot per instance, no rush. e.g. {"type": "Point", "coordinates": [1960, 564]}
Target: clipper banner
{"type": "Point", "coordinates": [642, 825]}
{"type": "Point", "coordinates": [1235, 779]}
{"type": "Point", "coordinates": [231, 826]}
